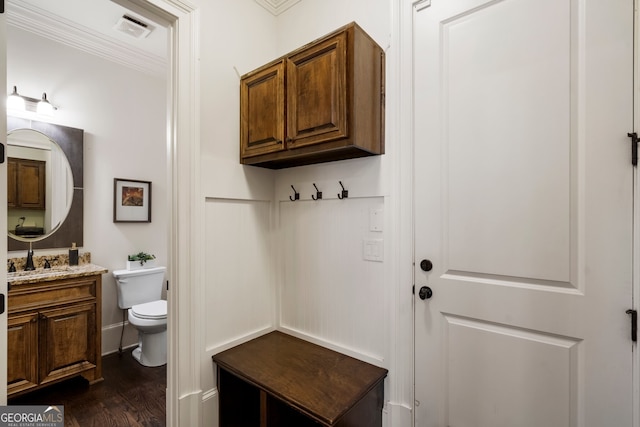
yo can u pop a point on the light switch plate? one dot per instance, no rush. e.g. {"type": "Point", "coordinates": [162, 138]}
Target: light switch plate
{"type": "Point", "coordinates": [373, 250]}
{"type": "Point", "coordinates": [375, 220]}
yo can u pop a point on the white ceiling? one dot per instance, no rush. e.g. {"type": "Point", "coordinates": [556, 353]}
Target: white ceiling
{"type": "Point", "coordinates": [89, 25]}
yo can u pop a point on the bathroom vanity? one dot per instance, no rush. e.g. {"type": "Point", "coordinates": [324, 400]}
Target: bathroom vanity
{"type": "Point", "coordinates": [54, 318]}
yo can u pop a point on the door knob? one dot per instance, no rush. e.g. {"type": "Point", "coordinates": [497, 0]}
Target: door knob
{"type": "Point", "coordinates": [425, 292]}
{"type": "Point", "coordinates": [426, 265]}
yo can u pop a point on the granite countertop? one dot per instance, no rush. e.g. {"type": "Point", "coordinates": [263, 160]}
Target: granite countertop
{"type": "Point", "coordinates": [54, 273]}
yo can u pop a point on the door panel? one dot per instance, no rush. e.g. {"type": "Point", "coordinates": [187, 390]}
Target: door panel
{"type": "Point", "coordinates": [496, 63]}
{"type": "Point", "coordinates": [499, 364]}
{"type": "Point", "coordinates": [523, 204]}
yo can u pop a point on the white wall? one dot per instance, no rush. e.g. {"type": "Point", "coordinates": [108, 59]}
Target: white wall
{"type": "Point", "coordinates": [122, 112]}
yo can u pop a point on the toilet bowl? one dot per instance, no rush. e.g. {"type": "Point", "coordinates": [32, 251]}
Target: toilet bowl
{"type": "Point", "coordinates": [140, 292]}
{"type": "Point", "coordinates": [150, 319]}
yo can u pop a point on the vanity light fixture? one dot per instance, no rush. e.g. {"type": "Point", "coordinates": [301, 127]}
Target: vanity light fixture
{"type": "Point", "coordinates": [42, 106]}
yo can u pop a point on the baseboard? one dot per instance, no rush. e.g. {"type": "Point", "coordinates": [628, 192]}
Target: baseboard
{"type": "Point", "coordinates": [397, 415]}
{"type": "Point", "coordinates": [188, 410]}
{"type": "Point", "coordinates": [222, 346]}
{"type": "Point", "coordinates": [210, 408]}
{"type": "Point", "coordinates": [369, 358]}
{"type": "Point", "coordinates": [111, 337]}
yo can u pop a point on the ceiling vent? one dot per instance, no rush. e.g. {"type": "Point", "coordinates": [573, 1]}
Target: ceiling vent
{"type": "Point", "coordinates": [133, 27]}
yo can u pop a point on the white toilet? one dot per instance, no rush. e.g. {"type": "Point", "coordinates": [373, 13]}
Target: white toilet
{"type": "Point", "coordinates": [141, 291]}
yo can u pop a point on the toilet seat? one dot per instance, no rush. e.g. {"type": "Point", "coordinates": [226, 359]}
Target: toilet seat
{"type": "Point", "coordinates": [150, 310]}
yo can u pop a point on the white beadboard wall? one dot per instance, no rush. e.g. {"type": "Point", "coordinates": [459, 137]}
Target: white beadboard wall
{"type": "Point", "coordinates": [239, 288]}
{"type": "Point", "coordinates": [327, 290]}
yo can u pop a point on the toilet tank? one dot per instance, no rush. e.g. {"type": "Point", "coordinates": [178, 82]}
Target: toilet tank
{"type": "Point", "coordinates": [139, 286]}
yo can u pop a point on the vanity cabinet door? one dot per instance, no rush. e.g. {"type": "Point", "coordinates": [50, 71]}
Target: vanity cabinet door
{"type": "Point", "coordinates": [22, 360]}
{"type": "Point", "coordinates": [67, 341]}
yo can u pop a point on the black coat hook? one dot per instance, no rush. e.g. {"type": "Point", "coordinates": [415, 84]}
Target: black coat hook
{"type": "Point", "coordinates": [345, 193]}
{"type": "Point", "coordinates": [318, 195]}
{"type": "Point", "coordinates": [296, 195]}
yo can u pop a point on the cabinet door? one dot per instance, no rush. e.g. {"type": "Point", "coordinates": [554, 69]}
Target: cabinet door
{"type": "Point", "coordinates": [22, 360]}
{"type": "Point", "coordinates": [67, 341]}
{"type": "Point", "coordinates": [31, 184]}
{"type": "Point", "coordinates": [12, 183]}
{"type": "Point", "coordinates": [317, 93]}
{"type": "Point", "coordinates": [262, 111]}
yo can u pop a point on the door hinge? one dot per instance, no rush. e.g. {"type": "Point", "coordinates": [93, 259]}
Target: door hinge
{"type": "Point", "coordinates": [1, 303]}
{"type": "Point", "coordinates": [634, 324]}
{"type": "Point", "coordinates": [1, 6]}
{"type": "Point", "coordinates": [634, 147]}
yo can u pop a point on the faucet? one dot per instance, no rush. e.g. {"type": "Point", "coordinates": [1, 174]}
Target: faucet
{"type": "Point", "coordinates": [29, 265]}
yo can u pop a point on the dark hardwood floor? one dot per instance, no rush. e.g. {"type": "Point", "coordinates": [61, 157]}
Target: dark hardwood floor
{"type": "Point", "coordinates": [130, 395]}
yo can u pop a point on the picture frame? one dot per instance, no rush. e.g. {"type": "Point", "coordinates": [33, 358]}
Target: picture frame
{"type": "Point", "coordinates": [131, 200]}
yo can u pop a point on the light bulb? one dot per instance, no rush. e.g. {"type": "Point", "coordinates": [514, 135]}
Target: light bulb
{"type": "Point", "coordinates": [44, 107]}
{"type": "Point", "coordinates": [15, 101]}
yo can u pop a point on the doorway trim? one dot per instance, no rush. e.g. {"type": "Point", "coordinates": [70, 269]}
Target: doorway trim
{"type": "Point", "coordinates": [3, 214]}
{"type": "Point", "coordinates": [184, 392]}
{"type": "Point", "coordinates": [636, 212]}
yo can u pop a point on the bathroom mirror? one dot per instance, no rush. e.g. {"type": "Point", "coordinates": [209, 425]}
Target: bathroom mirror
{"type": "Point", "coordinates": [40, 185]}
{"type": "Point", "coordinates": [44, 177]}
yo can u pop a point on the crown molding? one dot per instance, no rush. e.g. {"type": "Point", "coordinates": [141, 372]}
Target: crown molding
{"type": "Point", "coordinates": [42, 23]}
{"type": "Point", "coordinates": [276, 7]}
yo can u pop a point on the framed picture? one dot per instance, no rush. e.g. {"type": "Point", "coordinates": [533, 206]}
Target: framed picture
{"type": "Point", "coordinates": [131, 200]}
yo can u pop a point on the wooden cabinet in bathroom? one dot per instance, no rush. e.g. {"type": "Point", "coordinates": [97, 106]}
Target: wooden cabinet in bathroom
{"type": "Point", "coordinates": [25, 183]}
{"type": "Point", "coordinates": [54, 332]}
{"type": "Point", "coordinates": [320, 103]}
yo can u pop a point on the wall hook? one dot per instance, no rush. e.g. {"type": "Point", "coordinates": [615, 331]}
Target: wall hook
{"type": "Point", "coordinates": [296, 195]}
{"type": "Point", "coordinates": [345, 193]}
{"type": "Point", "coordinates": [318, 195]}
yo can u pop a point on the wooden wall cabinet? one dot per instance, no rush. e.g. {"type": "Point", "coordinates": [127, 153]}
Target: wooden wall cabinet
{"type": "Point", "coordinates": [322, 102]}
{"type": "Point", "coordinates": [54, 332]}
{"type": "Point", "coordinates": [25, 183]}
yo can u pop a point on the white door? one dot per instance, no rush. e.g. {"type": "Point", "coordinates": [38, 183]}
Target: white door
{"type": "Point", "coordinates": [523, 187]}
{"type": "Point", "coordinates": [3, 196]}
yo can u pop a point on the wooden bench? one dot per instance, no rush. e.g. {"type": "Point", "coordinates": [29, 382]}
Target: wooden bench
{"type": "Point", "coordinates": [280, 380]}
